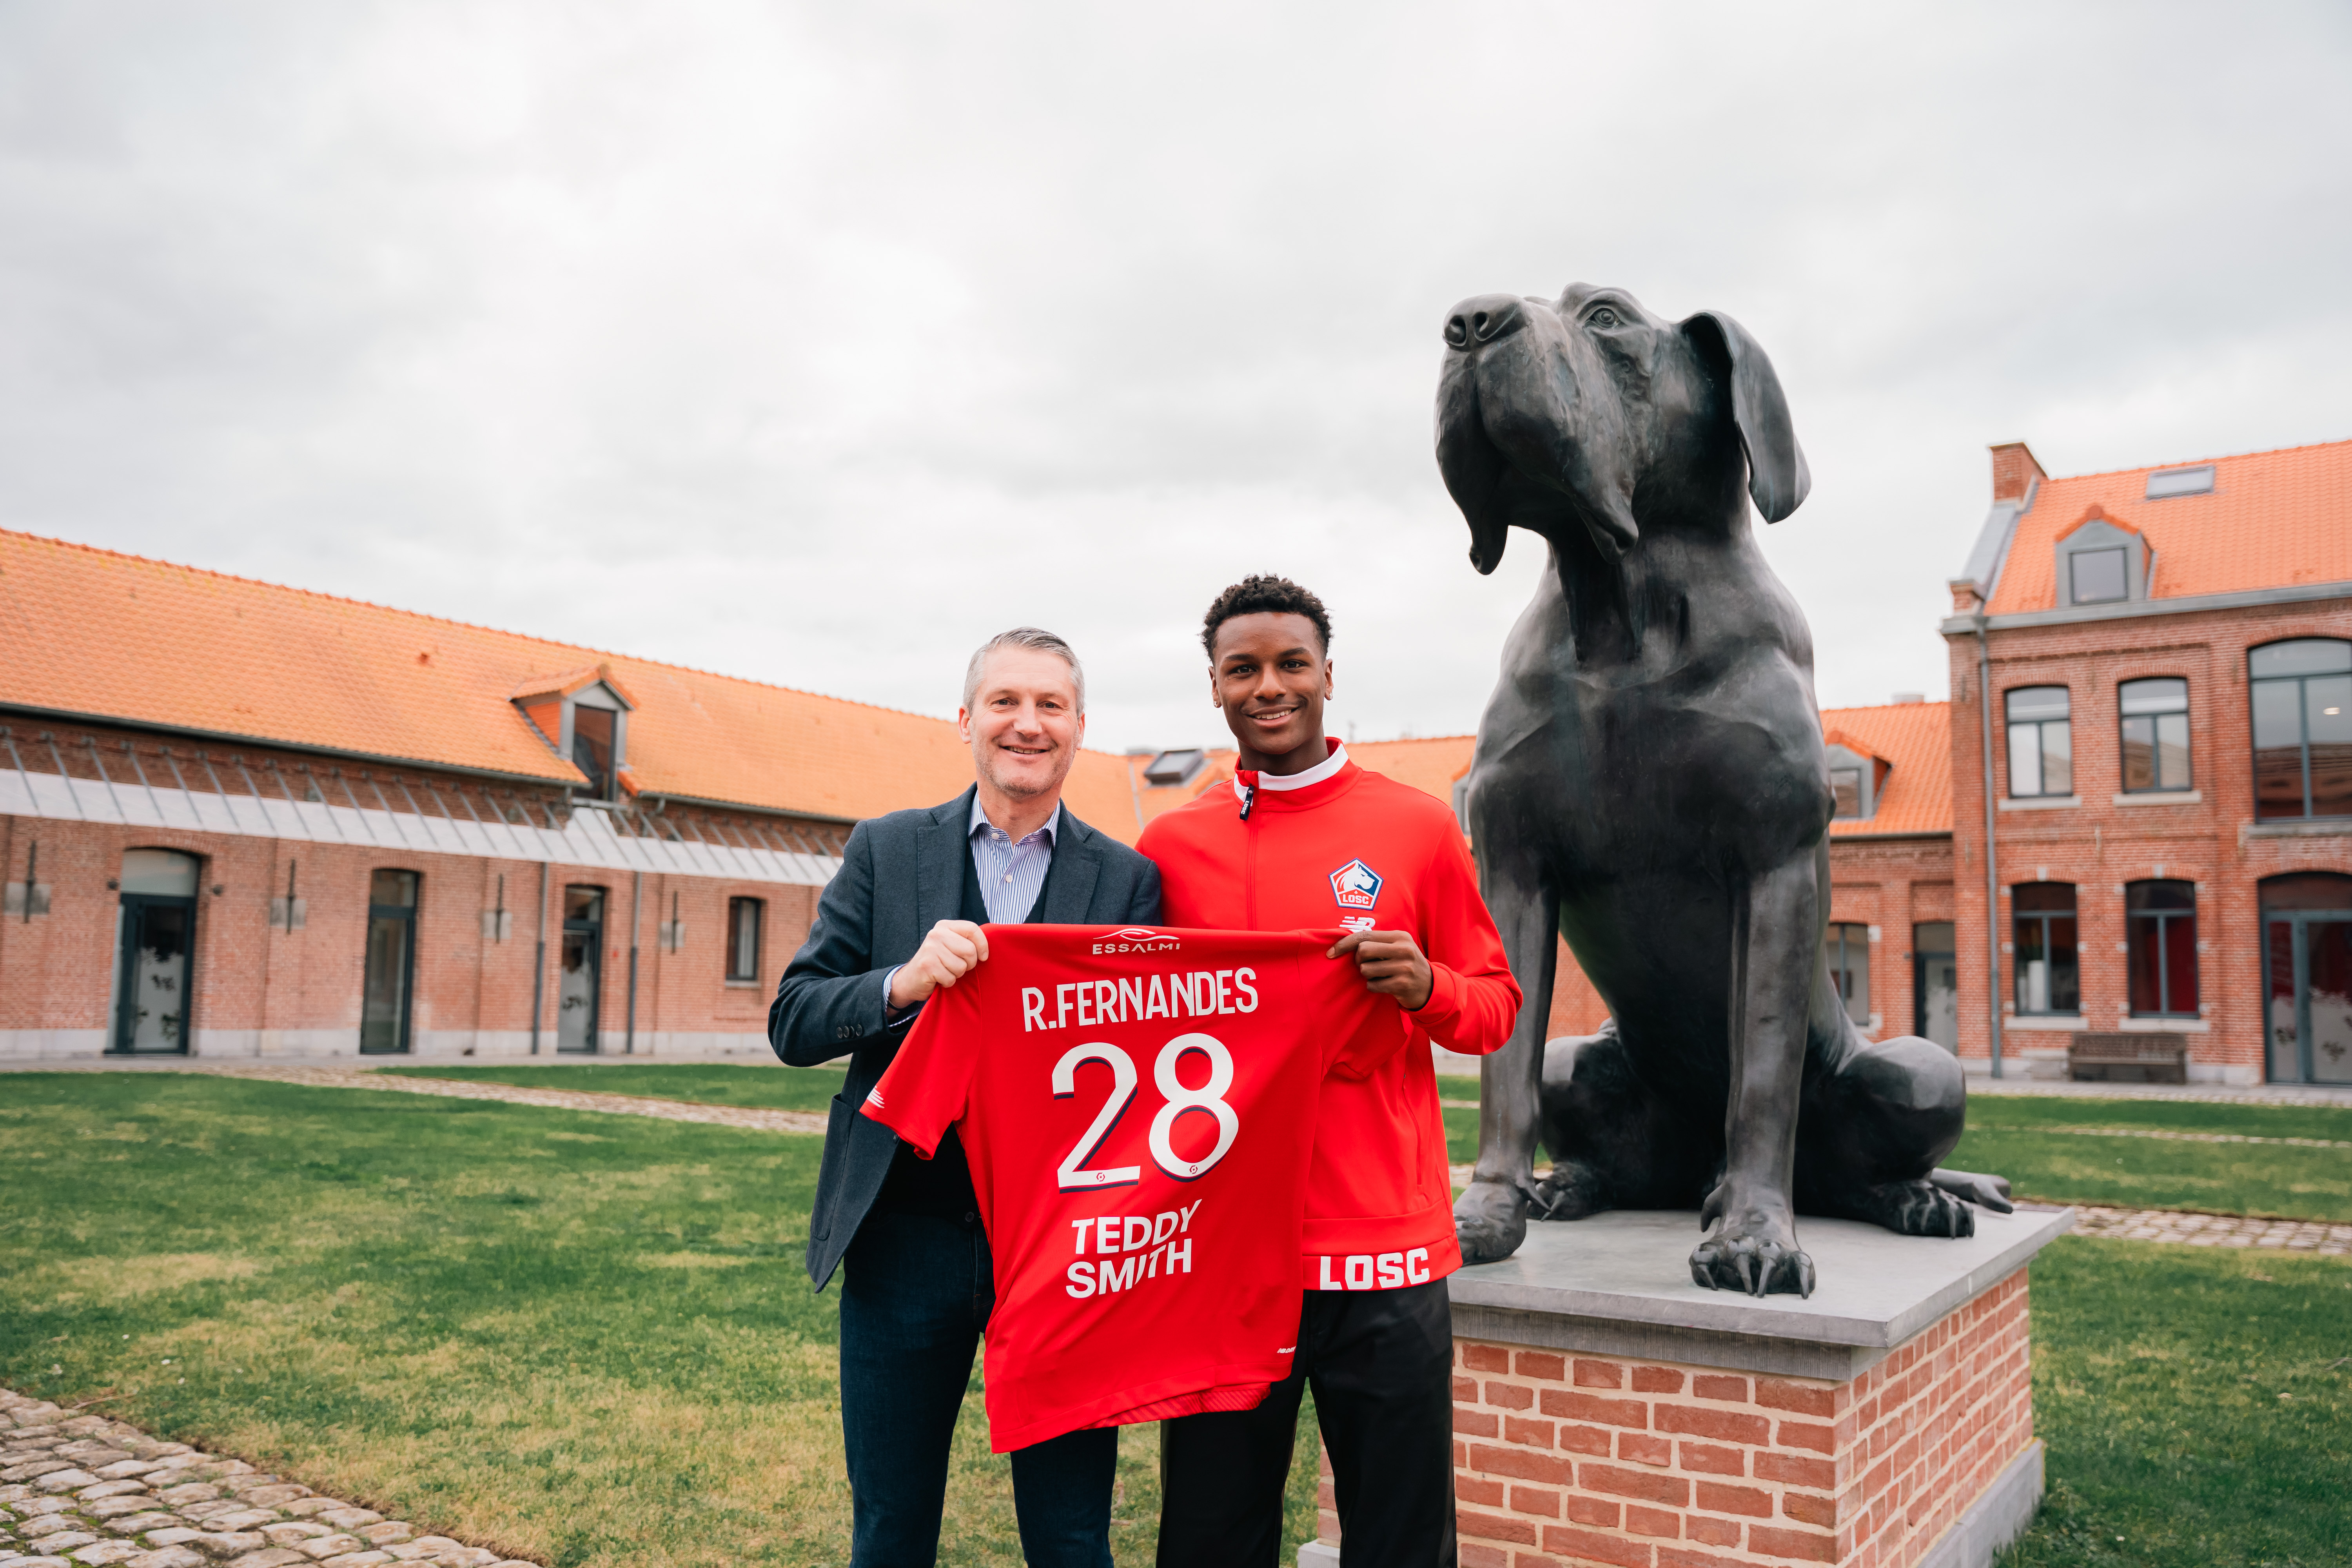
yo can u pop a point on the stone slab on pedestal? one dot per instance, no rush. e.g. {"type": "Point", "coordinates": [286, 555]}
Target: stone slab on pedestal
{"type": "Point", "coordinates": [1607, 1410]}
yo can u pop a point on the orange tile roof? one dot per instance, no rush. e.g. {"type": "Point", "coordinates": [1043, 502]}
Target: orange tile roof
{"type": "Point", "coordinates": [2272, 520]}
{"type": "Point", "coordinates": [94, 633]}
{"type": "Point", "coordinates": [1916, 738]}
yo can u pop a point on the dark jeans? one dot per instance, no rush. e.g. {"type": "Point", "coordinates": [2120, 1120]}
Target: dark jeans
{"type": "Point", "coordinates": [1382, 1364]}
{"type": "Point", "coordinates": [915, 1292]}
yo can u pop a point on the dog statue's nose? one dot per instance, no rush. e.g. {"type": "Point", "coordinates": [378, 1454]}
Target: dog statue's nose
{"type": "Point", "coordinates": [1482, 319]}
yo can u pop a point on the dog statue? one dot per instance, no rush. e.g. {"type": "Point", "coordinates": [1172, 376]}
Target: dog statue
{"type": "Point", "coordinates": [1650, 783]}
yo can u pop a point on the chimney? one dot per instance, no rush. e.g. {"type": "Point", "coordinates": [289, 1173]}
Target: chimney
{"type": "Point", "coordinates": [2014, 472]}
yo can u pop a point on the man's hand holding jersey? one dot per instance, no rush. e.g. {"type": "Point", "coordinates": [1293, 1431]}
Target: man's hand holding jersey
{"type": "Point", "coordinates": [949, 952]}
{"type": "Point", "coordinates": [1392, 963]}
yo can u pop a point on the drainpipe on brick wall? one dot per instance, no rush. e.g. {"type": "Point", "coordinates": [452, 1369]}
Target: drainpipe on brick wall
{"type": "Point", "coordinates": [636, 900]}
{"type": "Point", "coordinates": [1992, 873]}
{"type": "Point", "coordinates": [538, 962]}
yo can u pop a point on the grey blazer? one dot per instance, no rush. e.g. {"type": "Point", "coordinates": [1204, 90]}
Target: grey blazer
{"type": "Point", "coordinates": [900, 875]}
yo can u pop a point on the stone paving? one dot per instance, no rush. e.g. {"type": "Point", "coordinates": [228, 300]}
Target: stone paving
{"type": "Point", "coordinates": [2310, 1236]}
{"type": "Point", "coordinates": [86, 1491]}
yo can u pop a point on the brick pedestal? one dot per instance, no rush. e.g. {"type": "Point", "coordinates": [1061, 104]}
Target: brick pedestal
{"type": "Point", "coordinates": [1605, 1414]}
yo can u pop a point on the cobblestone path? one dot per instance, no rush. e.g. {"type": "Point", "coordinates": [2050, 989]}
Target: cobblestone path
{"type": "Point", "coordinates": [84, 1491]}
{"type": "Point", "coordinates": [2311, 1235]}
{"type": "Point", "coordinates": [559, 1099]}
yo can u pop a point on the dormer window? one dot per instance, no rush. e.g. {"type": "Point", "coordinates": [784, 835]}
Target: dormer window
{"type": "Point", "coordinates": [596, 740]}
{"type": "Point", "coordinates": [2102, 561]}
{"type": "Point", "coordinates": [1845, 784]}
{"type": "Point", "coordinates": [1857, 777]}
{"type": "Point", "coordinates": [583, 716]}
{"type": "Point", "coordinates": [2099, 576]}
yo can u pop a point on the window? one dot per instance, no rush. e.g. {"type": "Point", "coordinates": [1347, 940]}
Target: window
{"type": "Point", "coordinates": [2165, 483]}
{"type": "Point", "coordinates": [2161, 921]}
{"type": "Point", "coordinates": [2302, 700]}
{"type": "Point", "coordinates": [1845, 785]}
{"type": "Point", "coordinates": [391, 962]}
{"type": "Point", "coordinates": [2041, 742]}
{"type": "Point", "coordinates": [2155, 734]}
{"type": "Point", "coordinates": [591, 746]}
{"type": "Point", "coordinates": [2098, 576]}
{"type": "Point", "coordinates": [743, 939]}
{"type": "Point", "coordinates": [2047, 975]}
{"type": "Point", "coordinates": [1848, 951]}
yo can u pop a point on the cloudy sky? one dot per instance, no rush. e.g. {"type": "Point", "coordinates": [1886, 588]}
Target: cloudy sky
{"type": "Point", "coordinates": [813, 342]}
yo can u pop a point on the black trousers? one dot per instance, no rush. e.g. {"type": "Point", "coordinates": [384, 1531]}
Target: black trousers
{"type": "Point", "coordinates": [916, 1293]}
{"type": "Point", "coordinates": [1381, 1363]}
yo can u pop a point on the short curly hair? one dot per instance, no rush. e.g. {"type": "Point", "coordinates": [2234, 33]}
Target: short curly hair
{"type": "Point", "coordinates": [1260, 595]}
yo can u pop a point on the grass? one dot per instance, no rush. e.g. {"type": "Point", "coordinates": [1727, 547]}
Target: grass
{"type": "Point", "coordinates": [2066, 1151]}
{"type": "Point", "coordinates": [767, 1087]}
{"type": "Point", "coordinates": [2027, 1141]}
{"type": "Point", "coordinates": [579, 1338]}
{"type": "Point", "coordinates": [2196, 1407]}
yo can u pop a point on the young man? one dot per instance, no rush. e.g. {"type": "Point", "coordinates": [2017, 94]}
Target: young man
{"type": "Point", "coordinates": [902, 918]}
{"type": "Point", "coordinates": [1306, 839]}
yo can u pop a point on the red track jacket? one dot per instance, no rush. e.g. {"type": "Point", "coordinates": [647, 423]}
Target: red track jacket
{"type": "Point", "coordinates": [1338, 844]}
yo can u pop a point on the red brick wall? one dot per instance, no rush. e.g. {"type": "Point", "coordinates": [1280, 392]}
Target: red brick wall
{"type": "Point", "coordinates": [258, 986]}
{"type": "Point", "coordinates": [1604, 1459]}
{"type": "Point", "coordinates": [2099, 846]}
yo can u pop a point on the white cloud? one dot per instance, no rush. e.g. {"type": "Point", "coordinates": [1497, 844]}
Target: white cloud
{"type": "Point", "coordinates": [814, 343]}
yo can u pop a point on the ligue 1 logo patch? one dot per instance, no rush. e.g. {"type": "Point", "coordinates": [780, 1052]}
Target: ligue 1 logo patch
{"type": "Point", "coordinates": [1356, 886]}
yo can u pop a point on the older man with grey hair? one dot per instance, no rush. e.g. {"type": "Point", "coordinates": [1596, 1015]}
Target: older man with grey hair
{"type": "Point", "coordinates": [902, 918]}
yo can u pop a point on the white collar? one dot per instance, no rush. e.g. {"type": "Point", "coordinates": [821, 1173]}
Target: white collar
{"type": "Point", "coordinates": [1327, 768]}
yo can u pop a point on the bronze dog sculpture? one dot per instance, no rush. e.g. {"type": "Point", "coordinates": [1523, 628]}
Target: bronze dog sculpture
{"type": "Point", "coordinates": [1650, 783]}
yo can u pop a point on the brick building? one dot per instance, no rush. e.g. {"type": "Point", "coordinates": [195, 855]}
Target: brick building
{"type": "Point", "coordinates": [2151, 763]}
{"type": "Point", "coordinates": [242, 820]}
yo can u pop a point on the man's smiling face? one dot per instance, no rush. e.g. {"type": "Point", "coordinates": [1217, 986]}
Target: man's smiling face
{"type": "Point", "coordinates": [1023, 725]}
{"type": "Point", "coordinates": [1271, 679]}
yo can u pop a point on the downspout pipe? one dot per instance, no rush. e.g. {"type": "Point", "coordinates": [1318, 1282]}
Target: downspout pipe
{"type": "Point", "coordinates": [1992, 872]}
{"type": "Point", "coordinates": [538, 962]}
{"type": "Point", "coordinates": [636, 901]}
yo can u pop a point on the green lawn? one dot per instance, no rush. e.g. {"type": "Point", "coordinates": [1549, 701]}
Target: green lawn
{"type": "Point", "coordinates": [2068, 1151]}
{"type": "Point", "coordinates": [585, 1339]}
{"type": "Point", "coordinates": [769, 1085]}
{"type": "Point", "coordinates": [2195, 1405]}
{"type": "Point", "coordinates": [2029, 1141]}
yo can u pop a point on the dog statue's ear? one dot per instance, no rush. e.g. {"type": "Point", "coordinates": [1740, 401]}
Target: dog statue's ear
{"type": "Point", "coordinates": [1777, 477]}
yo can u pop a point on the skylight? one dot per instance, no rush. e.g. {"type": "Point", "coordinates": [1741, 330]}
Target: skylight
{"type": "Point", "coordinates": [2167, 482]}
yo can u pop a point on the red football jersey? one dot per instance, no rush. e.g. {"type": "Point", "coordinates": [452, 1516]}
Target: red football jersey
{"type": "Point", "coordinates": [1137, 1107]}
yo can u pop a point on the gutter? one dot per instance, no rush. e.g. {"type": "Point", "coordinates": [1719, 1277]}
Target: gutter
{"type": "Point", "coordinates": [1992, 873]}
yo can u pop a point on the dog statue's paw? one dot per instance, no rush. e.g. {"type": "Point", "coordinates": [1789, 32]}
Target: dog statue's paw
{"type": "Point", "coordinates": [1985, 1192]}
{"type": "Point", "coordinates": [1757, 1265]}
{"type": "Point", "coordinates": [1570, 1192]}
{"type": "Point", "coordinates": [1917, 1208]}
{"type": "Point", "coordinates": [1490, 1220]}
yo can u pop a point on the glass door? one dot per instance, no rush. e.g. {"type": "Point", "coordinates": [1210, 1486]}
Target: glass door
{"type": "Point", "coordinates": [578, 988]}
{"type": "Point", "coordinates": [1935, 985]}
{"type": "Point", "coordinates": [391, 967]}
{"type": "Point", "coordinates": [2307, 977]}
{"type": "Point", "coordinates": [155, 964]}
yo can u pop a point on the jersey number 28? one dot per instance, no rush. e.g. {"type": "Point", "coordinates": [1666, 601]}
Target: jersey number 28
{"type": "Point", "coordinates": [1074, 1173]}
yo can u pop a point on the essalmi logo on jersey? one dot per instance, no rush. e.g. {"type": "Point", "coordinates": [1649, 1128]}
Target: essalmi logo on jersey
{"type": "Point", "coordinates": [1137, 938]}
